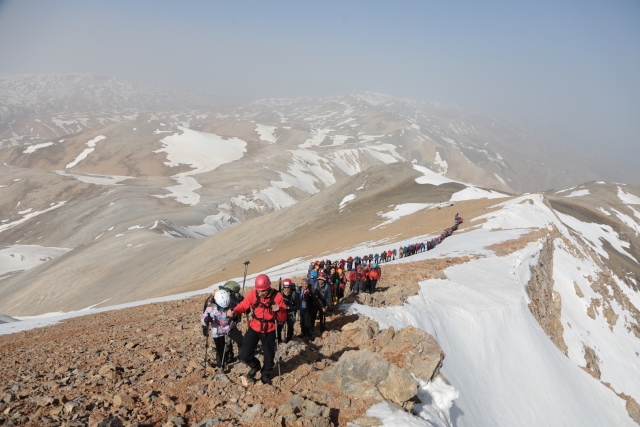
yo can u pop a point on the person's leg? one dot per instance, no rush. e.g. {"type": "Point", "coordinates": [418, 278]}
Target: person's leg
{"type": "Point", "coordinates": [373, 285]}
{"type": "Point", "coordinates": [303, 322]}
{"type": "Point", "coordinates": [312, 321]}
{"type": "Point", "coordinates": [236, 336]}
{"type": "Point", "coordinates": [247, 355]}
{"type": "Point", "coordinates": [279, 332]}
{"type": "Point", "coordinates": [323, 318]}
{"type": "Point", "coordinates": [291, 321]}
{"type": "Point", "coordinates": [269, 352]}
{"type": "Point", "coordinates": [219, 342]}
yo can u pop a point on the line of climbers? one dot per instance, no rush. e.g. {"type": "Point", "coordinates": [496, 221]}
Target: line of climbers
{"type": "Point", "coordinates": [363, 272]}
{"type": "Point", "coordinates": [273, 311]}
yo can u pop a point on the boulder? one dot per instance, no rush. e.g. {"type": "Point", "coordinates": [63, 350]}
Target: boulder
{"type": "Point", "coordinates": [399, 386]}
{"type": "Point", "coordinates": [364, 374]}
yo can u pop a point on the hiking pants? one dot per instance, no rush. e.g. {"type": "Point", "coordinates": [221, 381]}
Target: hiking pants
{"type": "Point", "coordinates": [291, 320]}
{"type": "Point", "coordinates": [236, 336]}
{"type": "Point", "coordinates": [323, 319]}
{"type": "Point", "coordinates": [247, 354]}
{"type": "Point", "coordinates": [313, 314]}
{"type": "Point", "coordinates": [364, 286]}
{"type": "Point", "coordinates": [352, 283]}
{"type": "Point", "coordinates": [220, 353]}
{"type": "Point", "coordinates": [359, 286]}
{"type": "Point", "coordinates": [372, 285]}
{"type": "Point", "coordinates": [305, 323]}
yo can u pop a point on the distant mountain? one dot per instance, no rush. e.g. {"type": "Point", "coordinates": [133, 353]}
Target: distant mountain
{"type": "Point", "coordinates": [36, 94]}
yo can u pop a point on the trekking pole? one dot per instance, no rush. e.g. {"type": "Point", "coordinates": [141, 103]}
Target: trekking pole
{"type": "Point", "coordinates": [275, 318]}
{"type": "Point", "coordinates": [206, 349]}
{"type": "Point", "coordinates": [246, 267]}
{"type": "Point", "coordinates": [224, 352]}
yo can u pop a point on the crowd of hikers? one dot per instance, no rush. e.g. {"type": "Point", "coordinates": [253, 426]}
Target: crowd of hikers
{"type": "Point", "coordinates": [273, 311]}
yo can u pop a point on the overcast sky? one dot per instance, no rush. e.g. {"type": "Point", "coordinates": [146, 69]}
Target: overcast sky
{"type": "Point", "coordinates": [573, 66]}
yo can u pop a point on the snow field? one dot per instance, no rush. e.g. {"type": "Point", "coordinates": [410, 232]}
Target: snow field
{"type": "Point", "coordinates": [25, 257]}
{"type": "Point", "coordinates": [505, 368]}
{"type": "Point", "coordinates": [202, 151]}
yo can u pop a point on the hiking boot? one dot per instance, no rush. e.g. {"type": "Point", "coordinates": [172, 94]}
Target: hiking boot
{"type": "Point", "coordinates": [266, 379]}
{"type": "Point", "coordinates": [252, 373]}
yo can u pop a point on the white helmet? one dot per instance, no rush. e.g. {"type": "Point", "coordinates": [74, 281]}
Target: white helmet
{"type": "Point", "coordinates": [222, 298]}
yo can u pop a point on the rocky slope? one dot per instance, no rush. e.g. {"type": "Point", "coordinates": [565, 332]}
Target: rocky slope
{"type": "Point", "coordinates": [143, 366]}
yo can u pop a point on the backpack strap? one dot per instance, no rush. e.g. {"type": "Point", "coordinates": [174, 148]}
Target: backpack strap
{"type": "Point", "coordinates": [264, 324]}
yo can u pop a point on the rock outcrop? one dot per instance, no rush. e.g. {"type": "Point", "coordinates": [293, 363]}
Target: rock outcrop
{"type": "Point", "coordinates": [546, 304]}
{"type": "Point", "coordinates": [385, 365]}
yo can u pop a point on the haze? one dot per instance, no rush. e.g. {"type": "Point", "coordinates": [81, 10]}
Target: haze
{"type": "Point", "coordinates": [569, 68]}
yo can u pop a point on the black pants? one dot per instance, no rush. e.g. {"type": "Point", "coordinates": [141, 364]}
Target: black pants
{"type": "Point", "coordinates": [305, 323]}
{"type": "Point", "coordinates": [247, 354]}
{"type": "Point", "coordinates": [323, 318]}
{"type": "Point", "coordinates": [236, 336]}
{"type": "Point", "coordinates": [291, 320]}
{"type": "Point", "coordinates": [372, 285]}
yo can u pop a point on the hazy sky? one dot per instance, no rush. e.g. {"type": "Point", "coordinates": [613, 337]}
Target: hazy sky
{"type": "Point", "coordinates": [573, 65]}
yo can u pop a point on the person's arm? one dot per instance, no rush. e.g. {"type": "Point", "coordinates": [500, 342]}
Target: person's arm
{"type": "Point", "coordinates": [281, 312]}
{"type": "Point", "coordinates": [244, 305]}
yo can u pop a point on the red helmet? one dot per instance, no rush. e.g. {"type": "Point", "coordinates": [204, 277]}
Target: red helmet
{"type": "Point", "coordinates": [286, 283]}
{"type": "Point", "coordinates": [262, 282]}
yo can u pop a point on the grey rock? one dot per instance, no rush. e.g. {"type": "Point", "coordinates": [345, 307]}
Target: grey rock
{"type": "Point", "coordinates": [208, 422]}
{"type": "Point", "coordinates": [112, 421]}
{"type": "Point", "coordinates": [290, 418]}
{"type": "Point", "coordinates": [285, 409]}
{"type": "Point", "coordinates": [251, 413]}
{"type": "Point", "coordinates": [361, 365]}
{"type": "Point", "coordinates": [313, 410]}
{"type": "Point", "coordinates": [236, 409]}
{"type": "Point", "coordinates": [321, 422]}
{"type": "Point", "coordinates": [296, 401]}
{"type": "Point", "coordinates": [178, 421]}
{"type": "Point", "coordinates": [399, 386]}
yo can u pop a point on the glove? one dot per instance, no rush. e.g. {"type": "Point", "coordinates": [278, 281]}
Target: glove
{"type": "Point", "coordinates": [205, 331]}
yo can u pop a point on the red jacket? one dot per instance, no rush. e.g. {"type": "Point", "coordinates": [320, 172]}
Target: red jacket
{"type": "Point", "coordinates": [262, 319]}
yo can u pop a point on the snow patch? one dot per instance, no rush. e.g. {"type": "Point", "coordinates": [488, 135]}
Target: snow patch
{"type": "Point", "coordinates": [91, 147]}
{"type": "Point", "coordinates": [91, 178]}
{"type": "Point", "coordinates": [345, 200]}
{"type": "Point", "coordinates": [578, 193]}
{"type": "Point", "coordinates": [629, 199]}
{"type": "Point", "coordinates": [184, 192]}
{"type": "Point", "coordinates": [34, 148]}
{"type": "Point", "coordinates": [267, 133]}
{"type": "Point", "coordinates": [440, 162]}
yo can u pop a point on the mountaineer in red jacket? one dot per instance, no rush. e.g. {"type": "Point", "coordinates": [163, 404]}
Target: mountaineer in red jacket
{"type": "Point", "coordinates": [267, 305]}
